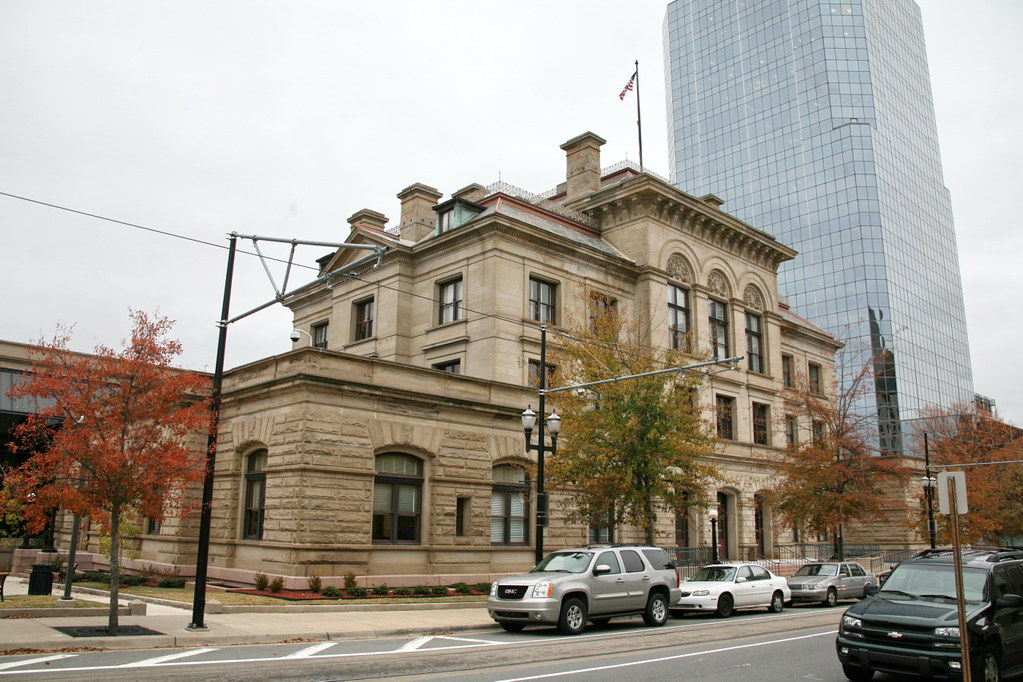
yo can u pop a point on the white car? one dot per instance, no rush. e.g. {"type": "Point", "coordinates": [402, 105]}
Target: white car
{"type": "Point", "coordinates": [723, 588]}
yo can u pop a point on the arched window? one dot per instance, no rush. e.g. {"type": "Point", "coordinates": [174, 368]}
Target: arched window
{"type": "Point", "coordinates": [255, 494]}
{"type": "Point", "coordinates": [397, 499]}
{"type": "Point", "coordinates": [509, 515]}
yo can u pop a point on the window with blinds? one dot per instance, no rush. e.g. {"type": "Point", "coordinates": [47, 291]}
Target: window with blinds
{"type": "Point", "coordinates": [397, 499]}
{"type": "Point", "coordinates": [509, 512]}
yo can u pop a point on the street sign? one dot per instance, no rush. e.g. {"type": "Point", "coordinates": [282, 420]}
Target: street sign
{"type": "Point", "coordinates": [958, 479]}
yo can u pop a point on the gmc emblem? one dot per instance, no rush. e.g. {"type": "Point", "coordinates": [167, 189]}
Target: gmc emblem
{"type": "Point", "coordinates": [508, 590]}
{"type": "Point", "coordinates": [895, 635]}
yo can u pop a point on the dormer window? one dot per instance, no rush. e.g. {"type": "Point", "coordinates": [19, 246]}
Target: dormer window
{"type": "Point", "coordinates": [454, 213]}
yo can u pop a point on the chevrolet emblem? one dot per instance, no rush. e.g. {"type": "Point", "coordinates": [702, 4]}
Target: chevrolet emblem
{"type": "Point", "coordinates": [895, 635]}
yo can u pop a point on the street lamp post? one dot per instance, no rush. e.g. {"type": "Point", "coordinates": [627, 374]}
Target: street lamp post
{"type": "Point", "coordinates": [712, 513]}
{"type": "Point", "coordinates": [929, 482]}
{"type": "Point", "coordinates": [553, 424]}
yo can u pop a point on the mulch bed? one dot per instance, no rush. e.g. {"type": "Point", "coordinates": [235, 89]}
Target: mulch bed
{"type": "Point", "coordinates": [299, 595]}
{"type": "Point", "coordinates": [101, 631]}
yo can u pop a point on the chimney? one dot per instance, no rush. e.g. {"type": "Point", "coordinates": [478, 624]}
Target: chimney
{"type": "Point", "coordinates": [369, 219]}
{"type": "Point", "coordinates": [417, 216]}
{"type": "Point", "coordinates": [583, 156]}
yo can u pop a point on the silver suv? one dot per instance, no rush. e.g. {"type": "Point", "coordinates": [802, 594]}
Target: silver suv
{"type": "Point", "coordinates": [593, 583]}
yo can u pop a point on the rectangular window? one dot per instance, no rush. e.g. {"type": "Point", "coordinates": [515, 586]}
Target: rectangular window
{"type": "Point", "coordinates": [320, 335]}
{"type": "Point", "coordinates": [786, 371]}
{"type": "Point", "coordinates": [761, 420]}
{"type": "Point", "coordinates": [461, 516]}
{"type": "Point", "coordinates": [153, 526]}
{"type": "Point", "coordinates": [791, 430]}
{"type": "Point", "coordinates": [451, 366]}
{"type": "Point", "coordinates": [364, 319]}
{"type": "Point", "coordinates": [542, 303]}
{"type": "Point", "coordinates": [678, 317]}
{"type": "Point", "coordinates": [814, 374]}
{"type": "Point", "coordinates": [725, 417]}
{"type": "Point", "coordinates": [719, 329]}
{"type": "Point", "coordinates": [818, 431]}
{"type": "Point", "coordinates": [534, 374]}
{"type": "Point", "coordinates": [450, 297]}
{"type": "Point", "coordinates": [754, 344]}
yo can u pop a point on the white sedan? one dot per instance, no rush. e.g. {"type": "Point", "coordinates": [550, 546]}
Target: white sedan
{"type": "Point", "coordinates": [723, 588]}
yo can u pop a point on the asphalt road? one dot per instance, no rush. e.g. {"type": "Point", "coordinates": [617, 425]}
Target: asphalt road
{"type": "Point", "coordinates": [796, 644]}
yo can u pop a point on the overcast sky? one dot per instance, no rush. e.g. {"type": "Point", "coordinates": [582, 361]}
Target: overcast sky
{"type": "Point", "coordinates": [283, 118]}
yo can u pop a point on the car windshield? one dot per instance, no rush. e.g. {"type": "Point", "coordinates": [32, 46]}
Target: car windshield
{"type": "Point", "coordinates": [715, 574]}
{"type": "Point", "coordinates": [565, 562]}
{"type": "Point", "coordinates": [934, 581]}
{"type": "Point", "coordinates": [817, 569]}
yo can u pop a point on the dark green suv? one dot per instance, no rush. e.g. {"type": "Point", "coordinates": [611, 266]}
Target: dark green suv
{"type": "Point", "coordinates": [910, 626]}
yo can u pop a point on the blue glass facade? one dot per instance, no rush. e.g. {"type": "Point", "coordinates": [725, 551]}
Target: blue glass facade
{"type": "Point", "coordinates": [814, 121]}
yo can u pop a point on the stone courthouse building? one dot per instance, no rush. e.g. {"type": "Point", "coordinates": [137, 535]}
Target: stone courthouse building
{"type": "Point", "coordinates": [389, 442]}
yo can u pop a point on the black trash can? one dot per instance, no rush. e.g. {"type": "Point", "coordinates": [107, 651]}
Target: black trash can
{"type": "Point", "coordinates": [41, 580]}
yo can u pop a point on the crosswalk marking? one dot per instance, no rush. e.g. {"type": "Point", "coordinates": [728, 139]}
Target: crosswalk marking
{"type": "Point", "coordinates": [310, 650]}
{"type": "Point", "coordinates": [164, 659]}
{"type": "Point", "coordinates": [32, 661]}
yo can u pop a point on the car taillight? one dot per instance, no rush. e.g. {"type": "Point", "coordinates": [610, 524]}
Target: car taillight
{"type": "Point", "coordinates": [678, 580]}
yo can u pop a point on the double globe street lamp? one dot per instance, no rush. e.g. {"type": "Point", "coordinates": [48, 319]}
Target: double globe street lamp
{"type": "Point", "coordinates": [553, 424]}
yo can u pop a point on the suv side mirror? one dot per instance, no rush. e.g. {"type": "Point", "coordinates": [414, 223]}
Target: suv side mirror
{"type": "Point", "coordinates": [602, 569]}
{"type": "Point", "coordinates": [870, 590]}
{"type": "Point", "coordinates": [1009, 601]}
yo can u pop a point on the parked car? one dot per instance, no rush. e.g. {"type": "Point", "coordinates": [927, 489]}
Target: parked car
{"type": "Point", "coordinates": [910, 626]}
{"type": "Point", "coordinates": [595, 583]}
{"type": "Point", "coordinates": [725, 588]}
{"type": "Point", "coordinates": [828, 581]}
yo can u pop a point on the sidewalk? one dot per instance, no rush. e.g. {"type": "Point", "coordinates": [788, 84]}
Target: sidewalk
{"type": "Point", "coordinates": [21, 635]}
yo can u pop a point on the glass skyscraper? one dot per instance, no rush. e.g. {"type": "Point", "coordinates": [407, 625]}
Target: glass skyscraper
{"type": "Point", "coordinates": [814, 121]}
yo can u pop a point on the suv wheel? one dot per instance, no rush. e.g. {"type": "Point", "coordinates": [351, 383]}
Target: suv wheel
{"type": "Point", "coordinates": [989, 669]}
{"type": "Point", "coordinates": [832, 597]}
{"type": "Point", "coordinates": [656, 613]}
{"type": "Point", "coordinates": [857, 674]}
{"type": "Point", "coordinates": [726, 605]}
{"type": "Point", "coordinates": [573, 617]}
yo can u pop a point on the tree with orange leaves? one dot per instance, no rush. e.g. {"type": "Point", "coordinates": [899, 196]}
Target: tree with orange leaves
{"type": "Point", "coordinates": [837, 472]}
{"type": "Point", "coordinates": [114, 433]}
{"type": "Point", "coordinates": [989, 451]}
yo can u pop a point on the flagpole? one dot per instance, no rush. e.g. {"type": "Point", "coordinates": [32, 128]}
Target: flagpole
{"type": "Point", "coordinates": [639, 120]}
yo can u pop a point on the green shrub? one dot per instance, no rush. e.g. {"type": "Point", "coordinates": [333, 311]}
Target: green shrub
{"type": "Point", "coordinates": [132, 580]}
{"type": "Point", "coordinates": [277, 584]}
{"type": "Point", "coordinates": [403, 591]}
{"type": "Point", "coordinates": [315, 583]}
{"type": "Point", "coordinates": [172, 582]}
{"type": "Point", "coordinates": [350, 580]}
{"type": "Point", "coordinates": [439, 590]}
{"type": "Point", "coordinates": [462, 588]}
{"type": "Point", "coordinates": [93, 577]}
{"type": "Point", "coordinates": [356, 591]}
{"type": "Point", "coordinates": [482, 587]}
{"type": "Point", "coordinates": [380, 590]}
{"type": "Point", "coordinates": [262, 581]}
{"type": "Point", "coordinates": [421, 589]}
{"type": "Point", "coordinates": [331, 592]}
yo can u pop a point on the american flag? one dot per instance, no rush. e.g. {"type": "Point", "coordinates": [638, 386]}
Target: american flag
{"type": "Point", "coordinates": [628, 86]}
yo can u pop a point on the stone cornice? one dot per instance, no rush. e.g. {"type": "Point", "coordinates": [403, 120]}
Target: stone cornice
{"type": "Point", "coordinates": [647, 198]}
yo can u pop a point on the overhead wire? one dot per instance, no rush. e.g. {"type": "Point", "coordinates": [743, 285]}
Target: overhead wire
{"type": "Point", "coordinates": [355, 276]}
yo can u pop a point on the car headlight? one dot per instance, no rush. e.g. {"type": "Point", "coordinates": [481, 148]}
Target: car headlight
{"type": "Point", "coordinates": [851, 622]}
{"type": "Point", "coordinates": [947, 632]}
{"type": "Point", "coordinates": [493, 589]}
{"type": "Point", "coordinates": [701, 593]}
{"type": "Point", "coordinates": [544, 588]}
{"type": "Point", "coordinates": [818, 586]}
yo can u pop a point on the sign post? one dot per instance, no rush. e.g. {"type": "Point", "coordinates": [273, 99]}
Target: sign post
{"type": "Point", "coordinates": [952, 501]}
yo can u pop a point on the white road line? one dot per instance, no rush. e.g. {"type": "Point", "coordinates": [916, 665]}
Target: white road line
{"type": "Point", "coordinates": [414, 644]}
{"type": "Point", "coordinates": [473, 641]}
{"type": "Point", "coordinates": [702, 652]}
{"type": "Point", "coordinates": [149, 662]}
{"type": "Point", "coordinates": [310, 650]}
{"type": "Point", "coordinates": [32, 661]}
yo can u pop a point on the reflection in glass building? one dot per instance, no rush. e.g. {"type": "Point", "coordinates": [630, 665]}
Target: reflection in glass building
{"type": "Point", "coordinates": [814, 121]}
